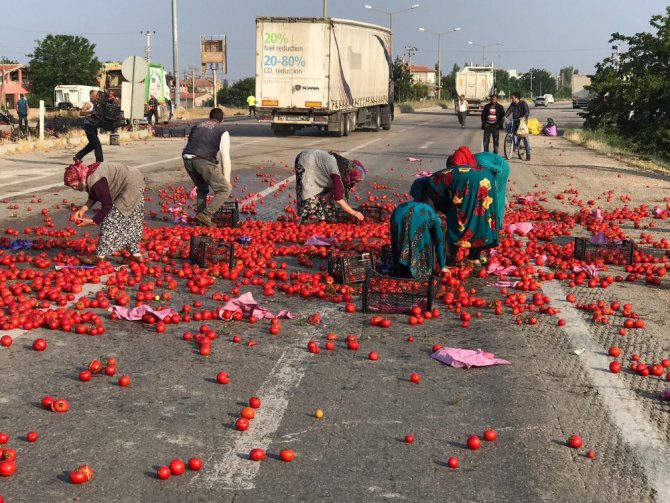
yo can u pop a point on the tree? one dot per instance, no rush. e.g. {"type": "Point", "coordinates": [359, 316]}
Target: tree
{"type": "Point", "coordinates": [631, 98]}
{"type": "Point", "coordinates": [449, 84]}
{"type": "Point", "coordinates": [237, 94]}
{"type": "Point", "coordinates": [502, 82]}
{"type": "Point", "coordinates": [62, 59]}
{"type": "Point", "coordinates": [402, 80]}
{"type": "Point", "coordinates": [6, 61]}
{"type": "Point", "coordinates": [535, 81]}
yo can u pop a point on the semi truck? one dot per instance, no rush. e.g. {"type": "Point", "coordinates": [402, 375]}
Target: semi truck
{"type": "Point", "coordinates": [476, 83]}
{"type": "Point", "coordinates": [580, 95]}
{"type": "Point", "coordinates": [74, 96]}
{"type": "Point", "coordinates": [333, 74]}
{"type": "Point", "coordinates": [155, 84]}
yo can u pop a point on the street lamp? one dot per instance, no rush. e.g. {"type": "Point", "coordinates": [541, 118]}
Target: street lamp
{"type": "Point", "coordinates": [484, 46]}
{"type": "Point", "coordinates": [390, 15]}
{"type": "Point", "coordinates": [439, 58]}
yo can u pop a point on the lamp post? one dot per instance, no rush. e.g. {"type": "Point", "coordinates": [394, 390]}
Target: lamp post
{"type": "Point", "coordinates": [390, 15]}
{"type": "Point", "coordinates": [484, 46]}
{"type": "Point", "coordinates": [439, 55]}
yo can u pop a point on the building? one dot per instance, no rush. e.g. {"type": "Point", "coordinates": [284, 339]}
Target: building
{"type": "Point", "coordinates": [426, 75]}
{"type": "Point", "coordinates": [13, 83]}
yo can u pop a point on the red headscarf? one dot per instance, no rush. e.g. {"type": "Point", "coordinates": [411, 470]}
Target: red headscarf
{"type": "Point", "coordinates": [461, 157]}
{"type": "Point", "coordinates": [78, 173]}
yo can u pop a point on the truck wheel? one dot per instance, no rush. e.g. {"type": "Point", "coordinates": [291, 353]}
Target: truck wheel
{"type": "Point", "coordinates": [377, 121]}
{"type": "Point", "coordinates": [282, 131]}
{"type": "Point", "coordinates": [346, 125]}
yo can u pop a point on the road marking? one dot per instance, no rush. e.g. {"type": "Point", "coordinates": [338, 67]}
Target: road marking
{"type": "Point", "coordinates": [644, 440]}
{"type": "Point", "coordinates": [234, 471]}
{"type": "Point", "coordinates": [426, 145]}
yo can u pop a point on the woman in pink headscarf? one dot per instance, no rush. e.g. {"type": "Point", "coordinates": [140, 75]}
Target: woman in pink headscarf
{"type": "Point", "coordinates": [120, 192]}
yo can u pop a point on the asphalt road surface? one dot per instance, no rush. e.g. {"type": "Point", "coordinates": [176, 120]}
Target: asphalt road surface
{"type": "Point", "coordinates": [356, 452]}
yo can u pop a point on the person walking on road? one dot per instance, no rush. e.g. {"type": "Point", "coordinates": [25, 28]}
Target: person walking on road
{"type": "Point", "coordinates": [322, 181]}
{"type": "Point", "coordinates": [462, 110]}
{"type": "Point", "coordinates": [493, 118]}
{"type": "Point", "coordinates": [91, 130]}
{"type": "Point", "coordinates": [251, 103]}
{"type": "Point", "coordinates": [518, 109]}
{"type": "Point", "coordinates": [120, 191]}
{"type": "Point", "coordinates": [22, 110]}
{"type": "Point", "coordinates": [201, 161]}
{"type": "Point", "coordinates": [152, 115]}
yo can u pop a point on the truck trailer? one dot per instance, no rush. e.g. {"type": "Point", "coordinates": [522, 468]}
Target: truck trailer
{"type": "Point", "coordinates": [333, 74]}
{"type": "Point", "coordinates": [580, 95]}
{"type": "Point", "coordinates": [476, 83]}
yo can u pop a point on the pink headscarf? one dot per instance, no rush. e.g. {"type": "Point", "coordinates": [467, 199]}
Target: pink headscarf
{"type": "Point", "coordinates": [78, 173]}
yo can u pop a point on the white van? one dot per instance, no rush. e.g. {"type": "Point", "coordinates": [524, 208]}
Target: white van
{"type": "Point", "coordinates": [549, 98]}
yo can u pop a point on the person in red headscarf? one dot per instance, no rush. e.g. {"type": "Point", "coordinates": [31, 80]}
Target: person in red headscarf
{"type": "Point", "coordinates": [120, 191]}
{"type": "Point", "coordinates": [464, 192]}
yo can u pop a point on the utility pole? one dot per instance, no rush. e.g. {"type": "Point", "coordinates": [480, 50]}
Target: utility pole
{"type": "Point", "coordinates": [175, 54]}
{"type": "Point", "coordinates": [325, 8]}
{"type": "Point", "coordinates": [193, 89]}
{"type": "Point", "coordinates": [147, 50]}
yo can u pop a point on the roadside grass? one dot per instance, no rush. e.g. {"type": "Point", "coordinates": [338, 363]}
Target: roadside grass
{"type": "Point", "coordinates": [619, 148]}
{"type": "Point", "coordinates": [203, 112]}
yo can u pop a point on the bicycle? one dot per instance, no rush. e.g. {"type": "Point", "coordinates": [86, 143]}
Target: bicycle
{"type": "Point", "coordinates": [513, 142]}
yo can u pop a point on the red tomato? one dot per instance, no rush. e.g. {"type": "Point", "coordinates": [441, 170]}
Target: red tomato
{"type": "Point", "coordinates": [615, 351]}
{"type": "Point", "coordinates": [490, 435]}
{"type": "Point", "coordinates": [575, 441]}
{"type": "Point", "coordinates": [452, 462]}
{"type": "Point", "coordinates": [195, 464]}
{"type": "Point", "coordinates": [257, 455]}
{"type": "Point", "coordinates": [248, 413]}
{"type": "Point", "coordinates": [39, 344]}
{"type": "Point", "coordinates": [177, 466]}
{"type": "Point", "coordinates": [85, 375]}
{"type": "Point", "coordinates": [163, 473]}
{"type": "Point", "coordinates": [87, 470]}
{"type": "Point", "coordinates": [124, 381]}
{"type": "Point", "coordinates": [6, 341]}
{"type": "Point", "coordinates": [615, 367]}
{"type": "Point", "coordinates": [287, 455]}
{"type": "Point", "coordinates": [32, 436]}
{"type": "Point", "coordinates": [7, 468]}
{"type": "Point", "coordinates": [415, 378]}
{"type": "Point", "coordinates": [474, 442]}
{"type": "Point", "coordinates": [409, 439]}
{"type": "Point", "coordinates": [222, 378]}
{"type": "Point", "coordinates": [77, 477]}
{"type": "Point", "coordinates": [591, 454]}
{"type": "Point", "coordinates": [60, 405]}
{"type": "Point", "coordinates": [350, 308]}
{"type": "Point", "coordinates": [95, 366]}
{"type": "Point", "coordinates": [385, 323]}
{"type": "Point", "coordinates": [242, 424]}
{"type": "Point", "coordinates": [110, 371]}
{"type": "Point", "coordinates": [46, 402]}
{"type": "Point", "coordinates": [4, 438]}
{"type": "Point", "coordinates": [374, 356]}
{"type": "Point", "coordinates": [437, 347]}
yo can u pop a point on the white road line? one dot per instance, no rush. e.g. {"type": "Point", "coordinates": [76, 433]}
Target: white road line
{"type": "Point", "coordinates": [426, 145]}
{"type": "Point", "coordinates": [643, 438]}
{"type": "Point", "coordinates": [234, 471]}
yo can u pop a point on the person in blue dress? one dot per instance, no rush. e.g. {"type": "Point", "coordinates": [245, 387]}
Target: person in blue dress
{"type": "Point", "coordinates": [417, 238]}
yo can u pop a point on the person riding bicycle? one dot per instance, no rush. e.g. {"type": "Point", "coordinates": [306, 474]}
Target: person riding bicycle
{"type": "Point", "coordinates": [518, 109]}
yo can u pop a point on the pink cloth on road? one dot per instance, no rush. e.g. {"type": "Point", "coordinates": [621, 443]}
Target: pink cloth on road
{"type": "Point", "coordinates": [136, 313]}
{"type": "Point", "coordinates": [590, 270]}
{"type": "Point", "coordinates": [423, 174]}
{"type": "Point", "coordinates": [249, 307]}
{"type": "Point", "coordinates": [412, 159]}
{"type": "Point", "coordinates": [520, 228]}
{"type": "Point", "coordinates": [320, 241]}
{"type": "Point", "coordinates": [597, 214]}
{"type": "Point", "coordinates": [466, 358]}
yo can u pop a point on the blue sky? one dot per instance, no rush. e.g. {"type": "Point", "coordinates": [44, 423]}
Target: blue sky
{"type": "Point", "coordinates": [540, 33]}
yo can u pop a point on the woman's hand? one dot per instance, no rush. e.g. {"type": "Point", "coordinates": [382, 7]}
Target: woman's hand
{"type": "Point", "coordinates": [358, 216]}
{"type": "Point", "coordinates": [79, 214]}
{"type": "Point", "coordinates": [84, 221]}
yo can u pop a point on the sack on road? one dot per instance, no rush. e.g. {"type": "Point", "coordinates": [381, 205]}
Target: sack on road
{"type": "Point", "coordinates": [534, 126]}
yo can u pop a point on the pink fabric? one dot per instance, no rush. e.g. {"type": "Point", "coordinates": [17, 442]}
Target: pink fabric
{"type": "Point", "coordinates": [525, 199]}
{"type": "Point", "coordinates": [422, 174]}
{"type": "Point", "coordinates": [249, 307]}
{"type": "Point", "coordinates": [499, 270]}
{"type": "Point", "coordinates": [466, 358]}
{"type": "Point", "coordinates": [659, 212]}
{"type": "Point", "coordinates": [505, 284]}
{"type": "Point", "coordinates": [78, 173]}
{"type": "Point", "coordinates": [520, 228]}
{"type": "Point", "coordinates": [412, 159]}
{"type": "Point", "coordinates": [320, 241]}
{"type": "Point", "coordinates": [598, 239]}
{"type": "Point", "coordinates": [136, 313]}
{"type": "Point", "coordinates": [597, 214]}
{"type": "Point", "coordinates": [590, 270]}
{"type": "Point", "coordinates": [193, 194]}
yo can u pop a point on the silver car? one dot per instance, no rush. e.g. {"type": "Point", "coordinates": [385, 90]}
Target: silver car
{"type": "Point", "coordinates": [540, 101]}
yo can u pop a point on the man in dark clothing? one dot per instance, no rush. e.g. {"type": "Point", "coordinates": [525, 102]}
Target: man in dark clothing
{"type": "Point", "coordinates": [22, 111]}
{"type": "Point", "coordinates": [201, 164]}
{"type": "Point", "coordinates": [519, 110]}
{"type": "Point", "coordinates": [152, 116]}
{"type": "Point", "coordinates": [493, 117]}
{"type": "Point", "coordinates": [91, 130]}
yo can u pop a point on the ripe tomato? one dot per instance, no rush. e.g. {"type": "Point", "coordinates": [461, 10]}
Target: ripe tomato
{"type": "Point", "coordinates": [591, 454]}
{"type": "Point", "coordinates": [350, 308]}
{"type": "Point", "coordinates": [124, 381]}
{"type": "Point", "coordinates": [7, 468]}
{"type": "Point", "coordinates": [32, 436]}
{"type": "Point", "coordinates": [490, 435]}
{"type": "Point", "coordinates": [287, 455]}
{"type": "Point", "coordinates": [60, 405]}
{"type": "Point", "coordinates": [177, 466]}
{"type": "Point", "coordinates": [575, 441]}
{"type": "Point", "coordinates": [415, 378]}
{"type": "Point", "coordinates": [222, 378]}
{"type": "Point", "coordinates": [40, 344]}
{"type": "Point", "coordinates": [257, 455]}
{"type": "Point", "coordinates": [6, 341]}
{"type": "Point", "coordinates": [87, 470]}
{"type": "Point", "coordinates": [255, 402]}
{"type": "Point", "coordinates": [95, 366]}
{"type": "Point", "coordinates": [615, 351]}
{"type": "Point", "coordinates": [374, 356]}
{"type": "Point", "coordinates": [452, 462]}
{"type": "Point", "coordinates": [615, 367]}
{"type": "Point", "coordinates": [4, 438]}
{"type": "Point", "coordinates": [409, 439]}
{"type": "Point", "coordinates": [248, 413]}
{"type": "Point", "coordinates": [85, 375]}
{"type": "Point", "coordinates": [110, 371]}
{"type": "Point", "coordinates": [474, 442]}
{"type": "Point", "coordinates": [242, 424]}
{"type": "Point", "coordinates": [46, 402]}
{"type": "Point", "coordinates": [163, 473]}
{"type": "Point", "coordinates": [77, 477]}
{"type": "Point", "coordinates": [195, 464]}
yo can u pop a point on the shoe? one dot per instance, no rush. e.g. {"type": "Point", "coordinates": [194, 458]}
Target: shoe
{"type": "Point", "coordinates": [74, 158]}
{"type": "Point", "coordinates": [204, 220]}
{"type": "Point", "coordinates": [89, 259]}
{"type": "Point", "coordinates": [528, 157]}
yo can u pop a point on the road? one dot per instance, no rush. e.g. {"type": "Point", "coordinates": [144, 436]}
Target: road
{"type": "Point", "coordinates": [556, 386]}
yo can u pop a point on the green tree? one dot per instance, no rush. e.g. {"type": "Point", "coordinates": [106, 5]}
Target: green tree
{"type": "Point", "coordinates": [237, 94]}
{"type": "Point", "coordinates": [62, 59]}
{"type": "Point", "coordinates": [631, 98]}
{"type": "Point", "coordinates": [502, 82]}
{"type": "Point", "coordinates": [449, 84]}
{"type": "Point", "coordinates": [402, 80]}
{"type": "Point", "coordinates": [534, 82]}
{"type": "Point", "coordinates": [6, 61]}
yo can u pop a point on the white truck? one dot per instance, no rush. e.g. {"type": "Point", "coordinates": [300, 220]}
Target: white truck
{"type": "Point", "coordinates": [334, 74]}
{"type": "Point", "coordinates": [580, 95]}
{"type": "Point", "coordinates": [476, 83]}
{"type": "Point", "coordinates": [72, 96]}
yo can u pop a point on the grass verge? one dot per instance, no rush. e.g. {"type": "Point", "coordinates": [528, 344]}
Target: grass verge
{"type": "Point", "coordinates": [619, 148]}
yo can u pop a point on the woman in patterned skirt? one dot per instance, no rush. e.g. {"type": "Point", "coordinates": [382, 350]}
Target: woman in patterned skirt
{"type": "Point", "coordinates": [120, 191]}
{"type": "Point", "coordinates": [323, 181]}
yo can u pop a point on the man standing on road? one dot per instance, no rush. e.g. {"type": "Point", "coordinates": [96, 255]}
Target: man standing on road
{"type": "Point", "coordinates": [152, 116]}
{"type": "Point", "coordinates": [519, 110]}
{"type": "Point", "coordinates": [22, 111]}
{"type": "Point", "coordinates": [251, 102]}
{"type": "Point", "coordinates": [201, 164]}
{"type": "Point", "coordinates": [493, 117]}
{"type": "Point", "coordinates": [462, 110]}
{"type": "Point", "coordinates": [91, 130]}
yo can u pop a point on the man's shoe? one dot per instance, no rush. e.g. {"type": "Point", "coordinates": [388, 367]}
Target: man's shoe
{"type": "Point", "coordinates": [528, 157]}
{"type": "Point", "coordinates": [204, 220]}
{"type": "Point", "coordinates": [89, 259]}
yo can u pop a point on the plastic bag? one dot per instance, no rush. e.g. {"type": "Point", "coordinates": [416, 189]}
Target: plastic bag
{"type": "Point", "coordinates": [534, 126]}
{"type": "Point", "coordinates": [523, 128]}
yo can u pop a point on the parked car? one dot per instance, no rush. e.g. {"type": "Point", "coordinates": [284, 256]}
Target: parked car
{"type": "Point", "coordinates": [549, 98]}
{"type": "Point", "coordinates": [540, 101]}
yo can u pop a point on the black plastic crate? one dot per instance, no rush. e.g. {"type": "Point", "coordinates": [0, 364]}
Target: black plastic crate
{"type": "Point", "coordinates": [228, 215]}
{"type": "Point", "coordinates": [207, 251]}
{"type": "Point", "coordinates": [371, 213]}
{"type": "Point", "coordinates": [349, 267]}
{"type": "Point", "coordinates": [614, 252]}
{"type": "Point", "coordinates": [387, 294]}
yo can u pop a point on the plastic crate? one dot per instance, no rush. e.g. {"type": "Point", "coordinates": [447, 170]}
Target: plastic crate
{"type": "Point", "coordinates": [227, 215]}
{"type": "Point", "coordinates": [207, 251]}
{"type": "Point", "coordinates": [373, 213]}
{"type": "Point", "coordinates": [386, 294]}
{"type": "Point", "coordinates": [615, 252]}
{"type": "Point", "coordinates": [349, 267]}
